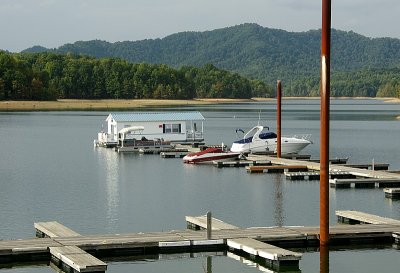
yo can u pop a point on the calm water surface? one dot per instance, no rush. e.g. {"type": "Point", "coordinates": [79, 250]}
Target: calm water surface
{"type": "Point", "coordinates": [51, 172]}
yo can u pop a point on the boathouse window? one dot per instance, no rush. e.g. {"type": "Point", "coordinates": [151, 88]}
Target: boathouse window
{"type": "Point", "coordinates": [171, 128]}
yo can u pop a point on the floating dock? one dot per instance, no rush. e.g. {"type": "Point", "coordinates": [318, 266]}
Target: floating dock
{"type": "Point", "coordinates": [274, 256]}
{"type": "Point", "coordinates": [365, 182]}
{"type": "Point", "coordinates": [341, 175]}
{"type": "Point", "coordinates": [315, 175]}
{"type": "Point", "coordinates": [70, 250]}
{"type": "Point", "coordinates": [241, 163]}
{"type": "Point", "coordinates": [276, 168]}
{"type": "Point", "coordinates": [358, 217]}
{"type": "Point", "coordinates": [173, 154]}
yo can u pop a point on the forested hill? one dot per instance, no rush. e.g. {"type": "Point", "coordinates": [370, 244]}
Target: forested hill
{"type": "Point", "coordinates": [251, 50]}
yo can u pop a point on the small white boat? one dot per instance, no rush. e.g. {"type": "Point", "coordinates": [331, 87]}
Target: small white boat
{"type": "Point", "coordinates": [209, 155]}
{"type": "Point", "coordinates": [258, 140]}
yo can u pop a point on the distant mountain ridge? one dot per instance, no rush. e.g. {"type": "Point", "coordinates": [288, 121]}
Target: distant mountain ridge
{"type": "Point", "coordinates": [251, 50]}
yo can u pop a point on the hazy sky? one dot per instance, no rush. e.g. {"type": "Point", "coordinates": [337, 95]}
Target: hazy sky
{"type": "Point", "coordinates": [52, 23]}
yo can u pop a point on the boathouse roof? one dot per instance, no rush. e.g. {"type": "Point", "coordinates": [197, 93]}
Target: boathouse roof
{"type": "Point", "coordinates": [156, 116]}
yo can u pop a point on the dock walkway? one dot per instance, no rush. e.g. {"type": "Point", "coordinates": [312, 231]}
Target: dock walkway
{"type": "Point", "coordinates": [358, 217]}
{"type": "Point", "coordinates": [362, 177]}
{"type": "Point", "coordinates": [275, 256]}
{"type": "Point", "coordinates": [67, 257]}
{"type": "Point", "coordinates": [68, 249]}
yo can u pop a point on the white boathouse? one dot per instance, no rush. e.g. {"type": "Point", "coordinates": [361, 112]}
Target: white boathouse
{"type": "Point", "coordinates": [178, 127]}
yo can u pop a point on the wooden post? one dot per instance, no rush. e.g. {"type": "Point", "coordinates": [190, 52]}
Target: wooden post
{"type": "Point", "coordinates": [324, 145]}
{"type": "Point", "coordinates": [278, 120]}
{"type": "Point", "coordinates": [373, 167]}
{"type": "Point", "coordinates": [209, 225]}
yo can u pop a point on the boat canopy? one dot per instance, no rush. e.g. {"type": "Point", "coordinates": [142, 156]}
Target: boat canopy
{"type": "Point", "coordinates": [131, 129]}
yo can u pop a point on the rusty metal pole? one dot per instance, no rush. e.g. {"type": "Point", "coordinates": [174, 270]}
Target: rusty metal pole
{"type": "Point", "coordinates": [278, 119]}
{"type": "Point", "coordinates": [325, 96]}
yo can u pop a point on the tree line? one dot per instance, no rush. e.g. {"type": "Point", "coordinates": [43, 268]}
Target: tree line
{"type": "Point", "coordinates": [360, 66]}
{"type": "Point", "coordinates": [363, 83]}
{"type": "Point", "coordinates": [50, 76]}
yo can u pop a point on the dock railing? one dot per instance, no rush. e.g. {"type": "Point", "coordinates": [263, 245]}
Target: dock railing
{"type": "Point", "coordinates": [193, 136]}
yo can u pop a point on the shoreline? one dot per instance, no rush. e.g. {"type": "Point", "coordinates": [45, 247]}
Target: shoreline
{"type": "Point", "coordinates": [99, 105]}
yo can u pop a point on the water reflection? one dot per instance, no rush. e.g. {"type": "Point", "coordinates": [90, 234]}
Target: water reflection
{"type": "Point", "coordinates": [279, 213]}
{"type": "Point", "coordinates": [109, 161]}
{"type": "Point", "coordinates": [324, 259]}
{"type": "Point", "coordinates": [209, 264]}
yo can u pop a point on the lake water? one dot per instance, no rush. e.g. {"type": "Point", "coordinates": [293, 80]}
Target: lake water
{"type": "Point", "coordinates": [50, 171]}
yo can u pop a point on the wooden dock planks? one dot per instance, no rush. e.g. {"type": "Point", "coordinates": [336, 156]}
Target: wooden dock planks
{"type": "Point", "coordinates": [53, 229]}
{"type": "Point", "coordinates": [263, 242]}
{"type": "Point", "coordinates": [71, 256]}
{"type": "Point", "coordinates": [267, 251]}
{"type": "Point", "coordinates": [26, 246]}
{"type": "Point", "coordinates": [201, 222]}
{"type": "Point", "coordinates": [77, 259]}
{"type": "Point", "coordinates": [342, 176]}
{"type": "Point", "coordinates": [275, 255]}
{"type": "Point", "coordinates": [364, 218]}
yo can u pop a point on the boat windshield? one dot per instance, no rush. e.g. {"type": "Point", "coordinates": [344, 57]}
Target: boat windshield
{"type": "Point", "coordinates": [267, 135]}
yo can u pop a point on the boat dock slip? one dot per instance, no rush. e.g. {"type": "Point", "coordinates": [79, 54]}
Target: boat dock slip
{"type": "Point", "coordinates": [53, 229]}
{"type": "Point", "coordinates": [273, 255]}
{"type": "Point", "coordinates": [352, 216]}
{"type": "Point", "coordinates": [342, 176]}
{"type": "Point", "coordinates": [79, 253]}
{"type": "Point", "coordinates": [73, 257]}
{"type": "Point", "coordinates": [67, 257]}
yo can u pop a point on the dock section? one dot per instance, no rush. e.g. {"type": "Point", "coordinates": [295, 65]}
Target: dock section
{"type": "Point", "coordinates": [72, 257]}
{"type": "Point", "coordinates": [69, 250]}
{"type": "Point", "coordinates": [200, 223]}
{"type": "Point", "coordinates": [358, 217]}
{"type": "Point", "coordinates": [273, 255]}
{"type": "Point", "coordinates": [68, 257]}
{"type": "Point", "coordinates": [53, 229]}
{"type": "Point", "coordinates": [26, 250]}
{"type": "Point", "coordinates": [276, 168]}
{"type": "Point", "coordinates": [341, 175]}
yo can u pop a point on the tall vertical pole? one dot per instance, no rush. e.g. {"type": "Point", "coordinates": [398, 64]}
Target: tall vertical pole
{"type": "Point", "coordinates": [278, 119]}
{"type": "Point", "coordinates": [324, 142]}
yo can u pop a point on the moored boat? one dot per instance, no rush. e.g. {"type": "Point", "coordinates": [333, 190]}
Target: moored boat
{"type": "Point", "coordinates": [260, 140]}
{"type": "Point", "coordinates": [210, 155]}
